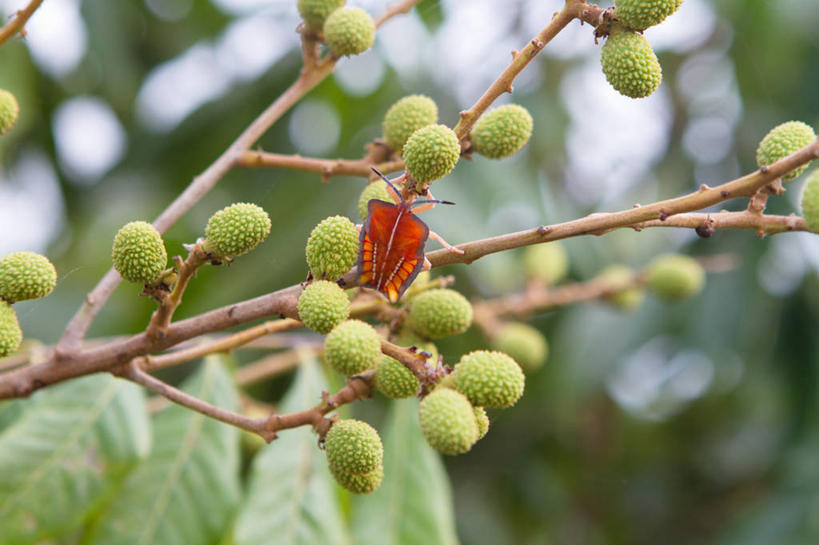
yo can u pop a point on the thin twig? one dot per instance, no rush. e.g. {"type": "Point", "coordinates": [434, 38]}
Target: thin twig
{"type": "Point", "coordinates": [325, 167]}
{"type": "Point", "coordinates": [18, 22]}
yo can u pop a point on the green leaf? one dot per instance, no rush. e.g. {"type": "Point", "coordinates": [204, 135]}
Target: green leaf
{"type": "Point", "coordinates": [67, 445]}
{"type": "Point", "coordinates": [292, 498]}
{"type": "Point", "coordinates": [413, 506]}
{"type": "Point", "coordinates": [185, 492]}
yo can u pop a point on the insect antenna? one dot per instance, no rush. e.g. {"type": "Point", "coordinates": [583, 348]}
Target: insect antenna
{"type": "Point", "coordinates": [430, 201]}
{"type": "Point", "coordinates": [388, 182]}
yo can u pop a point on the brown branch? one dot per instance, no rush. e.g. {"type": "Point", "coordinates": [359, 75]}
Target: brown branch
{"type": "Point", "coordinates": [16, 24]}
{"type": "Point", "coordinates": [309, 77]}
{"type": "Point", "coordinates": [170, 302]}
{"type": "Point", "coordinates": [706, 223]}
{"type": "Point", "coordinates": [325, 167]}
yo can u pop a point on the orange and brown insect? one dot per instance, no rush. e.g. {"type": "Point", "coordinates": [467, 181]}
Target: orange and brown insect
{"type": "Point", "coordinates": [391, 245]}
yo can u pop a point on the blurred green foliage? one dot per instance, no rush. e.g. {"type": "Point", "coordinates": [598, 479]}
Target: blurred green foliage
{"type": "Point", "coordinates": [725, 455]}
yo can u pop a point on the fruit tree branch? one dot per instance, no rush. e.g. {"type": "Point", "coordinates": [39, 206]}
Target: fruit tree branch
{"type": "Point", "coordinates": [17, 23]}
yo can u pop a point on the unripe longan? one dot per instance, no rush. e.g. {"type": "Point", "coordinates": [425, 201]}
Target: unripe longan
{"type": "Point", "coordinates": [353, 446]}
{"type": "Point", "coordinates": [783, 140]}
{"type": "Point", "coordinates": [394, 380]}
{"type": "Point", "coordinates": [431, 152]}
{"type": "Point", "coordinates": [809, 201]}
{"type": "Point", "coordinates": [620, 278]}
{"type": "Point", "coordinates": [9, 111]}
{"type": "Point", "coordinates": [236, 229]}
{"type": "Point", "coordinates": [352, 347]}
{"type": "Point", "coordinates": [523, 343]}
{"type": "Point", "coordinates": [375, 190]}
{"type": "Point", "coordinates": [26, 275]}
{"type": "Point", "coordinates": [332, 248]}
{"type": "Point", "coordinates": [548, 262]}
{"type": "Point", "coordinates": [349, 31]}
{"type": "Point", "coordinates": [138, 253]}
{"type": "Point", "coordinates": [448, 421]}
{"type": "Point", "coordinates": [629, 63]}
{"type": "Point", "coordinates": [502, 132]}
{"type": "Point", "coordinates": [10, 333]}
{"type": "Point", "coordinates": [405, 117]}
{"type": "Point", "coordinates": [315, 12]}
{"type": "Point", "coordinates": [675, 277]}
{"type": "Point", "coordinates": [482, 420]}
{"type": "Point", "coordinates": [489, 379]}
{"type": "Point", "coordinates": [323, 305]}
{"type": "Point", "coordinates": [364, 483]}
{"type": "Point", "coordinates": [641, 14]}
{"type": "Point", "coordinates": [440, 313]}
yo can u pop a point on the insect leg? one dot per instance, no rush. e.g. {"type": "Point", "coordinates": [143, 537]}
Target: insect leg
{"type": "Point", "coordinates": [445, 244]}
{"type": "Point", "coordinates": [427, 264]}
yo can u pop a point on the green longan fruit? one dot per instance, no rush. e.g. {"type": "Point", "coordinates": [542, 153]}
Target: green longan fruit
{"type": "Point", "coordinates": [26, 275]}
{"type": "Point", "coordinates": [489, 379]}
{"type": "Point", "coordinates": [641, 14]}
{"type": "Point", "coordinates": [349, 31]}
{"type": "Point", "coordinates": [138, 253]}
{"type": "Point", "coordinates": [809, 201]}
{"type": "Point", "coordinates": [315, 12]}
{"type": "Point", "coordinates": [394, 380]}
{"type": "Point", "coordinates": [375, 190]}
{"type": "Point", "coordinates": [482, 420]}
{"type": "Point", "coordinates": [502, 132]}
{"type": "Point", "coordinates": [525, 344]}
{"type": "Point", "coordinates": [629, 63]}
{"type": "Point", "coordinates": [448, 421]}
{"type": "Point", "coordinates": [431, 153]}
{"type": "Point", "coordinates": [352, 347]}
{"type": "Point", "coordinates": [323, 305]}
{"type": "Point", "coordinates": [353, 446]}
{"type": "Point", "coordinates": [440, 313]}
{"type": "Point", "coordinates": [10, 333]}
{"type": "Point", "coordinates": [332, 248]}
{"type": "Point", "coordinates": [674, 277]}
{"type": "Point", "coordinates": [620, 278]}
{"type": "Point", "coordinates": [405, 117]}
{"type": "Point", "coordinates": [9, 111]}
{"type": "Point", "coordinates": [236, 229]}
{"type": "Point", "coordinates": [783, 140]}
{"type": "Point", "coordinates": [547, 262]}
{"type": "Point", "coordinates": [359, 483]}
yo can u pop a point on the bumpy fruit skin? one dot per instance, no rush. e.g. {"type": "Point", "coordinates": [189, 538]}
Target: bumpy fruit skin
{"type": "Point", "coordinates": [502, 132]}
{"type": "Point", "coordinates": [138, 253]}
{"type": "Point", "coordinates": [376, 190]}
{"type": "Point", "coordinates": [315, 12]}
{"type": "Point", "coordinates": [332, 248]}
{"type": "Point", "coordinates": [523, 343]}
{"type": "Point", "coordinates": [674, 277]}
{"type": "Point", "coordinates": [353, 446]}
{"type": "Point", "coordinates": [323, 305]}
{"type": "Point", "coordinates": [448, 421]}
{"type": "Point", "coordinates": [783, 140]}
{"type": "Point", "coordinates": [394, 380]}
{"type": "Point", "coordinates": [629, 63]}
{"type": "Point", "coordinates": [440, 313]}
{"type": "Point", "coordinates": [641, 14]}
{"type": "Point", "coordinates": [809, 201]}
{"type": "Point", "coordinates": [489, 379]}
{"type": "Point", "coordinates": [349, 31]}
{"type": "Point", "coordinates": [236, 229]}
{"type": "Point", "coordinates": [26, 275]}
{"type": "Point", "coordinates": [482, 420]}
{"type": "Point", "coordinates": [359, 483]}
{"type": "Point", "coordinates": [352, 347]}
{"type": "Point", "coordinates": [10, 333]}
{"type": "Point", "coordinates": [548, 262]}
{"type": "Point", "coordinates": [405, 117]}
{"type": "Point", "coordinates": [620, 278]}
{"type": "Point", "coordinates": [431, 152]}
{"type": "Point", "coordinates": [9, 111]}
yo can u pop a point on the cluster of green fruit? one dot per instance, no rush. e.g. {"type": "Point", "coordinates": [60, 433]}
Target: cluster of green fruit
{"type": "Point", "coordinates": [23, 275]}
{"type": "Point", "coordinates": [628, 61]}
{"type": "Point", "coordinates": [346, 31]}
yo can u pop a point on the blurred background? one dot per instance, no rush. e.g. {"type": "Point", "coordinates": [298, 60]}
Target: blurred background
{"type": "Point", "coordinates": [691, 423]}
